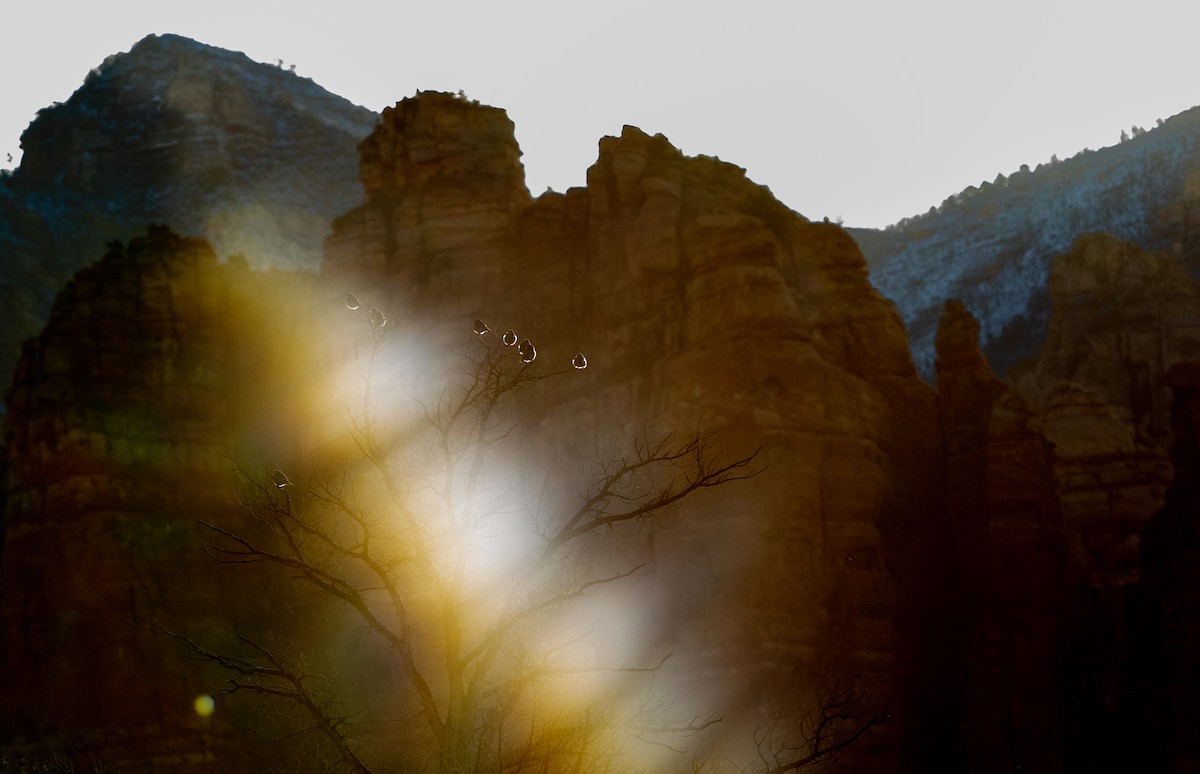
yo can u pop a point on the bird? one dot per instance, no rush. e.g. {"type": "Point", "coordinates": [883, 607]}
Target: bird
{"type": "Point", "coordinates": [579, 361]}
{"type": "Point", "coordinates": [378, 320]}
{"type": "Point", "coordinates": [481, 327]}
{"type": "Point", "coordinates": [509, 338]}
{"type": "Point", "coordinates": [351, 301]}
{"type": "Point", "coordinates": [526, 350]}
{"type": "Point", "coordinates": [281, 480]}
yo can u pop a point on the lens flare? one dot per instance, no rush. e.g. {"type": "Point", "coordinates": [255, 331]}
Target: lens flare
{"type": "Point", "coordinates": [204, 705]}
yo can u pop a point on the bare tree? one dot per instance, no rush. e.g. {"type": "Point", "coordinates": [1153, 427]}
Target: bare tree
{"type": "Point", "coordinates": [842, 715]}
{"type": "Point", "coordinates": [398, 545]}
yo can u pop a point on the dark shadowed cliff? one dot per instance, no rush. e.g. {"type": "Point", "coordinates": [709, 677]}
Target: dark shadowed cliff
{"type": "Point", "coordinates": [126, 415]}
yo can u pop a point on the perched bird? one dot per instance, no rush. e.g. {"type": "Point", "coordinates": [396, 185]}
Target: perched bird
{"type": "Point", "coordinates": [481, 327]}
{"type": "Point", "coordinates": [351, 301]}
{"type": "Point", "coordinates": [281, 480]}
{"type": "Point", "coordinates": [526, 350]}
{"type": "Point", "coordinates": [509, 338]}
{"type": "Point", "coordinates": [378, 320]}
{"type": "Point", "coordinates": [579, 361]}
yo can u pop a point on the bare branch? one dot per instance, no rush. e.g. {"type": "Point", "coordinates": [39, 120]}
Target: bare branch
{"type": "Point", "coordinates": [842, 716]}
{"type": "Point", "coordinates": [277, 680]}
{"type": "Point", "coordinates": [698, 473]}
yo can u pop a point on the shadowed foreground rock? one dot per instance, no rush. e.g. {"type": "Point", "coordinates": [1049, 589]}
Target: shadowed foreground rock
{"type": "Point", "coordinates": [1003, 507]}
{"type": "Point", "coordinates": [125, 416]}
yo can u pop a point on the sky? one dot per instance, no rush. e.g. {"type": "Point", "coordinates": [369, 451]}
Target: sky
{"type": "Point", "coordinates": [864, 110]}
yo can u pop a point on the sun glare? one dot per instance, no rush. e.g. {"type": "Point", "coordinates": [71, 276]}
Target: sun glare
{"type": "Point", "coordinates": [459, 507]}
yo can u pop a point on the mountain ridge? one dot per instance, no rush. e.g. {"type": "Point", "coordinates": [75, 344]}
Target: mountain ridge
{"type": "Point", "coordinates": [991, 245]}
{"type": "Point", "coordinates": [254, 158]}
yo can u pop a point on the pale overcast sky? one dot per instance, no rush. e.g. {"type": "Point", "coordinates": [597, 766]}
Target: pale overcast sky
{"type": "Point", "coordinates": [871, 110]}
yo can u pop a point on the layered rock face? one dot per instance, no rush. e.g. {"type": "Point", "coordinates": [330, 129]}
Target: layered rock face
{"type": "Point", "coordinates": [700, 300]}
{"type": "Point", "coordinates": [204, 140]}
{"type": "Point", "coordinates": [125, 416]}
{"type": "Point", "coordinates": [1121, 317]}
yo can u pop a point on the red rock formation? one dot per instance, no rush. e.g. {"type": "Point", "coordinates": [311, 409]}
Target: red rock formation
{"type": "Point", "coordinates": [443, 183]}
{"type": "Point", "coordinates": [701, 303]}
{"type": "Point", "coordinates": [699, 299]}
{"type": "Point", "coordinates": [1002, 503]}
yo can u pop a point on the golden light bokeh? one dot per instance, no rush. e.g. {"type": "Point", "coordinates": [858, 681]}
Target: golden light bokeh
{"type": "Point", "coordinates": [204, 705]}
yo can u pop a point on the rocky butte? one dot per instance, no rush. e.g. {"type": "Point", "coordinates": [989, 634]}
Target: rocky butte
{"type": "Point", "coordinates": [1003, 568]}
{"type": "Point", "coordinates": [701, 300]}
{"type": "Point", "coordinates": [204, 140]}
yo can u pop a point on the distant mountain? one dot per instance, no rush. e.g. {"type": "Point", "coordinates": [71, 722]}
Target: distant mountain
{"type": "Point", "coordinates": [205, 140]}
{"type": "Point", "coordinates": [992, 245]}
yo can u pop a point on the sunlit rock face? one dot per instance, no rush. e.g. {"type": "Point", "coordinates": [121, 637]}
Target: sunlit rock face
{"type": "Point", "coordinates": [204, 140]}
{"type": "Point", "coordinates": [126, 415]}
{"type": "Point", "coordinates": [992, 245]}
{"type": "Point", "coordinates": [1003, 507]}
{"type": "Point", "coordinates": [701, 303]}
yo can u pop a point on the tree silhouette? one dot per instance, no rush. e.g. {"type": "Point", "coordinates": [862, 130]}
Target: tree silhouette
{"type": "Point", "coordinates": [421, 556]}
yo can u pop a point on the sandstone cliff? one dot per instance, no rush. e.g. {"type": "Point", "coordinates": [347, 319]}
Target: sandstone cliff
{"type": "Point", "coordinates": [699, 299]}
{"type": "Point", "coordinates": [204, 140]}
{"type": "Point", "coordinates": [1120, 318]}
